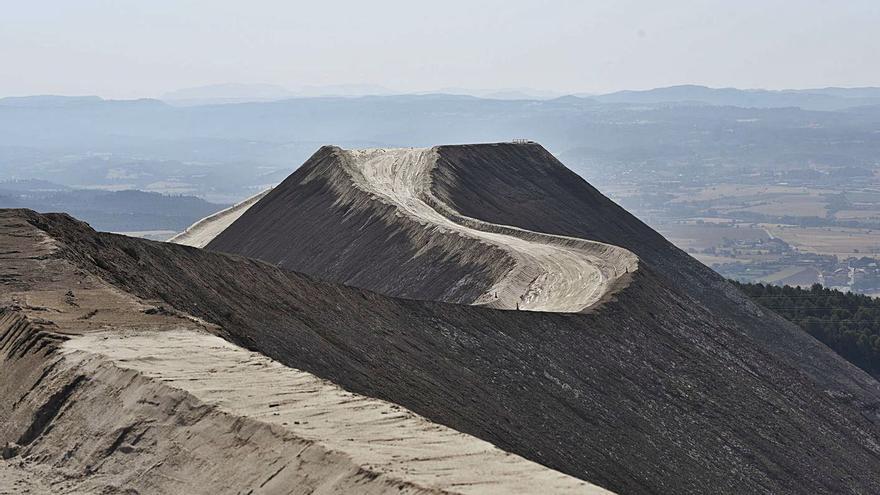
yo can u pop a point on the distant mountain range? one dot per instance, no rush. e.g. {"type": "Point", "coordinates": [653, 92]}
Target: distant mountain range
{"type": "Point", "coordinates": [822, 99]}
{"type": "Point", "coordinates": [227, 152]}
{"type": "Point", "coordinates": [808, 99]}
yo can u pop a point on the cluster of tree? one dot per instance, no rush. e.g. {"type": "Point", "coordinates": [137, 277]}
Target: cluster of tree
{"type": "Point", "coordinates": [846, 322]}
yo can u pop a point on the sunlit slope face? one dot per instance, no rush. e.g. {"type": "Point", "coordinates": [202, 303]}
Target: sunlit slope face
{"type": "Point", "coordinates": [374, 222]}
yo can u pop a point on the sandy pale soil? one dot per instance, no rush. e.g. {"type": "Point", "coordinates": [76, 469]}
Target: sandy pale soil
{"type": "Point", "coordinates": [181, 411]}
{"type": "Point", "coordinates": [378, 436]}
{"type": "Point", "coordinates": [200, 233]}
{"type": "Point", "coordinates": [14, 480]}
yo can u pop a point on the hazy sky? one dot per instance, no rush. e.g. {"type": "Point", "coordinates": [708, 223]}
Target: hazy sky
{"type": "Point", "coordinates": [132, 48]}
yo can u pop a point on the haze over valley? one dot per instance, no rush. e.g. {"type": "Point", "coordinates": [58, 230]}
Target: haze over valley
{"type": "Point", "coordinates": [771, 186]}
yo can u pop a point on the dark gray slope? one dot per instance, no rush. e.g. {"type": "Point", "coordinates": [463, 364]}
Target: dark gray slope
{"type": "Point", "coordinates": [525, 186]}
{"type": "Point", "coordinates": [316, 222]}
{"type": "Point", "coordinates": [651, 394]}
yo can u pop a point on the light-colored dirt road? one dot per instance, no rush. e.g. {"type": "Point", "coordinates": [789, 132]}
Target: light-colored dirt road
{"type": "Point", "coordinates": [200, 233]}
{"type": "Point", "coordinates": [552, 273]}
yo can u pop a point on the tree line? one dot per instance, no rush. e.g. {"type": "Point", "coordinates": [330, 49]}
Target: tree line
{"type": "Point", "coordinates": [846, 322]}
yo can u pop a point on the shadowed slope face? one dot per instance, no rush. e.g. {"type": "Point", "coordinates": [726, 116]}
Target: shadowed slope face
{"type": "Point", "coordinates": [520, 269]}
{"type": "Point", "coordinates": [652, 393]}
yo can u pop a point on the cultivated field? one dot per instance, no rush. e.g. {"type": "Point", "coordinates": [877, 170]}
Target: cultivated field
{"type": "Point", "coordinates": [839, 241]}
